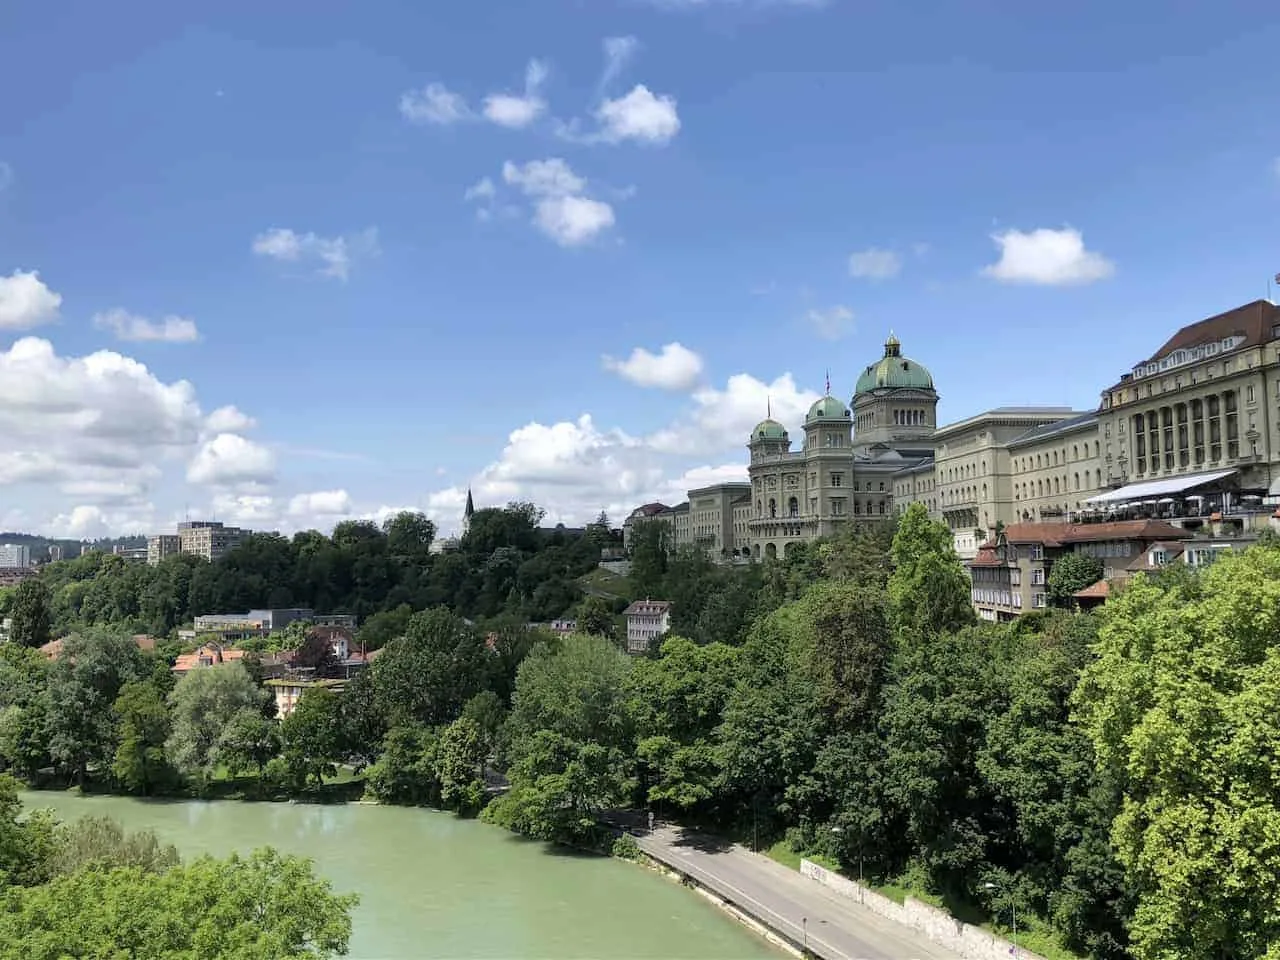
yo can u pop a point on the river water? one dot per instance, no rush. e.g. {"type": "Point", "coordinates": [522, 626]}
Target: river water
{"type": "Point", "coordinates": [434, 886]}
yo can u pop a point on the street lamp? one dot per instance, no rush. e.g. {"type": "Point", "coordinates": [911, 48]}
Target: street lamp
{"type": "Point", "coordinates": [1013, 910]}
{"type": "Point", "coordinates": [804, 923]}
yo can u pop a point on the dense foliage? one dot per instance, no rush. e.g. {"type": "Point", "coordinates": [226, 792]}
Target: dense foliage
{"type": "Point", "coordinates": [504, 564]}
{"type": "Point", "coordinates": [1109, 776]}
{"type": "Point", "coordinates": [88, 889]}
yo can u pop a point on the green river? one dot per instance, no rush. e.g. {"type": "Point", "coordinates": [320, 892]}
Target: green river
{"type": "Point", "coordinates": [432, 885]}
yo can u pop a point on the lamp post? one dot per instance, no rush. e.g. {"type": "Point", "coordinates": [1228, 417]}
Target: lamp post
{"type": "Point", "coordinates": [1013, 911]}
{"type": "Point", "coordinates": [804, 924]}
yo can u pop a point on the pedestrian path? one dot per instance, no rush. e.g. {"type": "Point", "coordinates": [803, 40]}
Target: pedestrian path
{"type": "Point", "coordinates": [801, 910]}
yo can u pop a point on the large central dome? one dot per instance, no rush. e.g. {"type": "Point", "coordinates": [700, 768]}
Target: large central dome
{"type": "Point", "coordinates": [894, 371]}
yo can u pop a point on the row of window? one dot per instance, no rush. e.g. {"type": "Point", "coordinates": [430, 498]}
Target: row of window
{"type": "Point", "coordinates": [1043, 461]}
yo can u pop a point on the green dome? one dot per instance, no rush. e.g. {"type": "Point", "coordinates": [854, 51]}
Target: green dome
{"type": "Point", "coordinates": [827, 408]}
{"type": "Point", "coordinates": [769, 430]}
{"type": "Point", "coordinates": [894, 371]}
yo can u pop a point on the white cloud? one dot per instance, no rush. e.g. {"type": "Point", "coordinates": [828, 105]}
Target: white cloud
{"type": "Point", "coordinates": [874, 264]}
{"type": "Point", "coordinates": [832, 323]}
{"type": "Point", "coordinates": [482, 189]}
{"type": "Point", "coordinates": [618, 52]}
{"type": "Point", "coordinates": [640, 116]}
{"type": "Point", "coordinates": [541, 178]}
{"type": "Point", "coordinates": [321, 503]}
{"type": "Point", "coordinates": [256, 511]}
{"type": "Point", "coordinates": [721, 419]}
{"type": "Point", "coordinates": [674, 367]}
{"type": "Point", "coordinates": [229, 419]}
{"type": "Point", "coordinates": [228, 460]}
{"type": "Point", "coordinates": [434, 103]}
{"type": "Point", "coordinates": [1048, 258]}
{"type": "Point", "coordinates": [25, 301]}
{"type": "Point", "coordinates": [89, 521]}
{"type": "Point", "coordinates": [330, 256]}
{"type": "Point", "coordinates": [561, 208]}
{"type": "Point", "coordinates": [519, 110]}
{"type": "Point", "coordinates": [131, 327]}
{"type": "Point", "coordinates": [98, 429]}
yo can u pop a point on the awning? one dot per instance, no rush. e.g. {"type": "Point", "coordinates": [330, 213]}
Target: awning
{"type": "Point", "coordinates": [1159, 488]}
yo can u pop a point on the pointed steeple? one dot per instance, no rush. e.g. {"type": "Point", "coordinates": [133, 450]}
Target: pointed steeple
{"type": "Point", "coordinates": [467, 512]}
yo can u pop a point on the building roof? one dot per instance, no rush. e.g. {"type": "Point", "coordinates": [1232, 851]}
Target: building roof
{"type": "Point", "coordinates": [1095, 591]}
{"type": "Point", "coordinates": [648, 510]}
{"type": "Point", "coordinates": [190, 661]}
{"type": "Point", "coordinates": [828, 408]}
{"type": "Point", "coordinates": [1253, 321]}
{"type": "Point", "coordinates": [1080, 421]}
{"type": "Point", "coordinates": [647, 608]}
{"type": "Point", "coordinates": [1057, 534]}
{"type": "Point", "coordinates": [1164, 487]}
{"type": "Point", "coordinates": [769, 429]}
{"type": "Point", "coordinates": [894, 371]}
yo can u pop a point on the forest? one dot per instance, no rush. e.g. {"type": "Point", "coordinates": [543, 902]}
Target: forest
{"type": "Point", "coordinates": [1109, 776]}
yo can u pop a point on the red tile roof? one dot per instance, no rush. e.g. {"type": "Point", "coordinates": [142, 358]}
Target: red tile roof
{"type": "Point", "coordinates": [190, 661]}
{"type": "Point", "coordinates": [1057, 534]}
{"type": "Point", "coordinates": [1252, 321]}
{"type": "Point", "coordinates": [1095, 591]}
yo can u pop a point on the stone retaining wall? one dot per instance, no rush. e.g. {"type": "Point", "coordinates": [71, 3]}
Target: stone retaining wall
{"type": "Point", "coordinates": [970, 942]}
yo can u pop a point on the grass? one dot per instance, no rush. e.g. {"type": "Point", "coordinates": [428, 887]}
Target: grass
{"type": "Point", "coordinates": [602, 581]}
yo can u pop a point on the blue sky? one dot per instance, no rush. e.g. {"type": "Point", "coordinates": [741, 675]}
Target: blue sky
{"type": "Point", "coordinates": [1031, 201]}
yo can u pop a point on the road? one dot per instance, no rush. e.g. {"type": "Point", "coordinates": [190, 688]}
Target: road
{"type": "Point", "coordinates": [832, 926]}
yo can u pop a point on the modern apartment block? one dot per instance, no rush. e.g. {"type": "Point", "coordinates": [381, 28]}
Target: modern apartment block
{"type": "Point", "coordinates": [203, 538]}
{"type": "Point", "coordinates": [15, 556]}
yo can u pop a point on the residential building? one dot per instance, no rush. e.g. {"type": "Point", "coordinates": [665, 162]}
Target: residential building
{"type": "Point", "coordinates": [162, 545]}
{"type": "Point", "coordinates": [6, 627]}
{"type": "Point", "coordinates": [236, 626]}
{"type": "Point", "coordinates": [289, 690]}
{"type": "Point", "coordinates": [646, 621]}
{"type": "Point", "coordinates": [15, 555]}
{"type": "Point", "coordinates": [12, 576]}
{"type": "Point", "coordinates": [209, 539]}
{"type": "Point", "coordinates": [140, 554]}
{"type": "Point", "coordinates": [1011, 576]}
{"type": "Point", "coordinates": [206, 655]}
{"type": "Point", "coordinates": [711, 517]}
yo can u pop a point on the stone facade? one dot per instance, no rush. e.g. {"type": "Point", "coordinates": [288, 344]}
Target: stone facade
{"type": "Point", "coordinates": [1208, 400]}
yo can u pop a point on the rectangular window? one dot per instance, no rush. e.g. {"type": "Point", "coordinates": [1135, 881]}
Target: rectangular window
{"type": "Point", "coordinates": [837, 479]}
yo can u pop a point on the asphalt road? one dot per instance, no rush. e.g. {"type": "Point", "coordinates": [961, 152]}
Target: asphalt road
{"type": "Point", "coordinates": [832, 926]}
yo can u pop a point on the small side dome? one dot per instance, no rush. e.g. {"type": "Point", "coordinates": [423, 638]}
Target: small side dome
{"type": "Point", "coordinates": [768, 430]}
{"type": "Point", "coordinates": [827, 408]}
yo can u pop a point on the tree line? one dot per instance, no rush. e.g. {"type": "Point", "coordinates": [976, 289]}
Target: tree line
{"type": "Point", "coordinates": [504, 564]}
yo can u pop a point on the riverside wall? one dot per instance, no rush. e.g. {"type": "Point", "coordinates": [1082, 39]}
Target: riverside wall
{"type": "Point", "coordinates": [938, 926]}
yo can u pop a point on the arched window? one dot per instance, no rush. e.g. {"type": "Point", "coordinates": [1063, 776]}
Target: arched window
{"type": "Point", "coordinates": [773, 507]}
{"type": "Point", "coordinates": [793, 507]}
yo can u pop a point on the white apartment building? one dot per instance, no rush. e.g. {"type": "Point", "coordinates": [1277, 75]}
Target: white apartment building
{"type": "Point", "coordinates": [646, 621]}
{"type": "Point", "coordinates": [14, 555]}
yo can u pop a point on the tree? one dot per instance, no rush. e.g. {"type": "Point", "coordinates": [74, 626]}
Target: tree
{"type": "Point", "coordinates": [26, 842]}
{"type": "Point", "coordinates": [101, 842]}
{"type": "Point", "coordinates": [431, 671]}
{"type": "Point", "coordinates": [316, 652]}
{"type": "Point", "coordinates": [1071, 573]}
{"type": "Point", "coordinates": [84, 683]}
{"type": "Point", "coordinates": [650, 549]}
{"type": "Point", "coordinates": [140, 763]}
{"type": "Point", "coordinates": [928, 589]}
{"type": "Point", "coordinates": [462, 751]}
{"type": "Point", "coordinates": [311, 736]}
{"type": "Point", "coordinates": [406, 770]}
{"type": "Point", "coordinates": [1180, 707]}
{"type": "Point", "coordinates": [595, 618]}
{"type": "Point", "coordinates": [262, 907]}
{"type": "Point", "coordinates": [32, 621]}
{"type": "Point", "coordinates": [248, 743]}
{"type": "Point", "coordinates": [202, 704]}
{"type": "Point", "coordinates": [409, 535]}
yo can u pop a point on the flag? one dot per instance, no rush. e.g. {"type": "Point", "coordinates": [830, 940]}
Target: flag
{"type": "Point", "coordinates": [829, 372]}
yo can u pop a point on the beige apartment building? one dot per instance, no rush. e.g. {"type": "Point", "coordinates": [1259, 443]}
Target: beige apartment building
{"type": "Point", "coordinates": [202, 538]}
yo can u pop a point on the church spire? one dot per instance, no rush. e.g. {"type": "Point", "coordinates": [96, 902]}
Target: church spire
{"type": "Point", "coordinates": [467, 512]}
